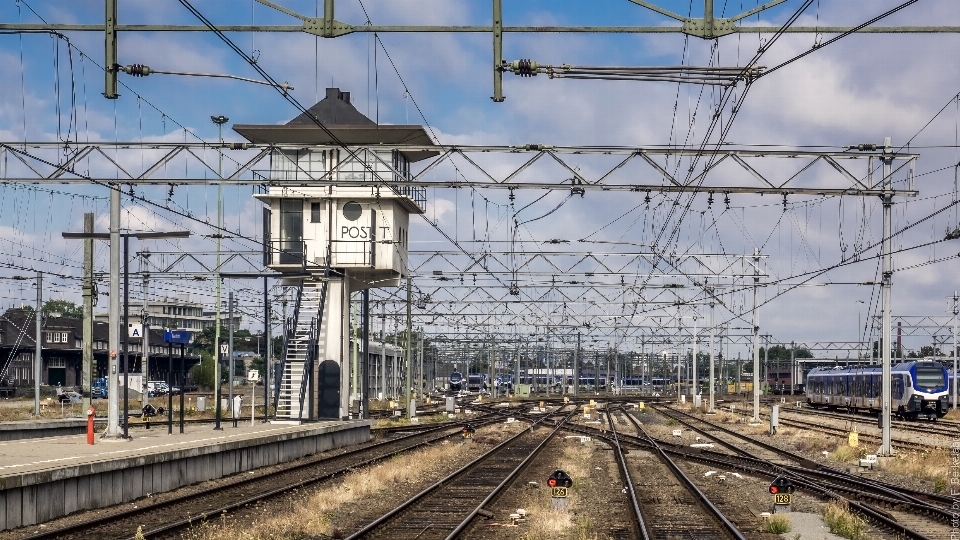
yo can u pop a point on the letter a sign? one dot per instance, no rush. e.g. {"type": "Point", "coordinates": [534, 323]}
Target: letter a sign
{"type": "Point", "coordinates": [134, 330]}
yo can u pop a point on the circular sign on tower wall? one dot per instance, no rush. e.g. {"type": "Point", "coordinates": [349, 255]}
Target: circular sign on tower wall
{"type": "Point", "coordinates": [352, 210]}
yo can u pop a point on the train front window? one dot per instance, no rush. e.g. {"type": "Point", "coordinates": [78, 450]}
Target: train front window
{"type": "Point", "coordinates": [930, 376]}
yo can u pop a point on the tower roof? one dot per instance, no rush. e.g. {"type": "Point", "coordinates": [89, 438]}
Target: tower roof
{"type": "Point", "coordinates": [346, 124]}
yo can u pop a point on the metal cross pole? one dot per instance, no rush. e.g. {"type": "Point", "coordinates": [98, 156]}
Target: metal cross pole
{"type": "Point", "coordinates": [268, 349]}
{"type": "Point", "coordinates": [38, 353]}
{"type": "Point", "coordinates": [695, 390]}
{"type": "Point", "coordinates": [576, 369]}
{"type": "Point", "coordinates": [713, 383]}
{"type": "Point", "coordinates": [365, 380]}
{"type": "Point", "coordinates": [886, 289]}
{"type": "Point", "coordinates": [794, 376]}
{"type": "Point", "coordinates": [756, 338]}
{"type": "Point", "coordinates": [113, 386]}
{"type": "Point", "coordinates": [145, 340]}
{"type": "Point", "coordinates": [407, 391]}
{"type": "Point", "coordinates": [953, 383]}
{"type": "Point", "coordinates": [219, 121]}
{"type": "Point", "coordinates": [383, 350]}
{"type": "Point", "coordinates": [233, 409]}
{"type": "Point", "coordinates": [88, 298]}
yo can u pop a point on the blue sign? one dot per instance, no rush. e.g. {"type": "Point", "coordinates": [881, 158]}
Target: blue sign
{"type": "Point", "coordinates": [176, 336]}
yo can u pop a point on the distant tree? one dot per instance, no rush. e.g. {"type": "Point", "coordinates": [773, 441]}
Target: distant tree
{"type": "Point", "coordinates": [65, 308]}
{"type": "Point", "coordinates": [203, 373]}
{"type": "Point", "coordinates": [782, 352]}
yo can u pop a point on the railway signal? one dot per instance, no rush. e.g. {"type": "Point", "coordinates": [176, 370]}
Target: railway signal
{"type": "Point", "coordinates": [560, 484]}
{"type": "Point", "coordinates": [782, 490]}
{"type": "Point", "coordinates": [467, 431]}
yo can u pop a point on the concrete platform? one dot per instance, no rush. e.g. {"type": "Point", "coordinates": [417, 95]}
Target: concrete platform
{"type": "Point", "coordinates": [43, 479]}
{"type": "Point", "coordinates": [32, 429]}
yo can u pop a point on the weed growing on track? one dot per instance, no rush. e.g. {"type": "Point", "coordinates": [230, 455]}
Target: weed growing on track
{"type": "Point", "coordinates": [842, 522]}
{"type": "Point", "coordinates": [544, 523]}
{"type": "Point", "coordinates": [777, 524]}
{"type": "Point", "coordinates": [314, 513]}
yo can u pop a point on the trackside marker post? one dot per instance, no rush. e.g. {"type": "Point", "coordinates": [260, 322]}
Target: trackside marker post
{"type": "Point", "coordinates": [90, 415]}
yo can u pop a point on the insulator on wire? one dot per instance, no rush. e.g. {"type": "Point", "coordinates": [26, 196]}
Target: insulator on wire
{"type": "Point", "coordinates": [137, 70]}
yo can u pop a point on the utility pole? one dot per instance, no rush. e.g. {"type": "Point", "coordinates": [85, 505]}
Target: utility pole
{"type": "Point", "coordinates": [113, 381]}
{"type": "Point", "coordinates": [491, 370]}
{"type": "Point", "coordinates": [365, 381]}
{"type": "Point", "coordinates": [38, 353]}
{"type": "Point", "coordinates": [423, 380]}
{"type": "Point", "coordinates": [407, 391]}
{"type": "Point", "coordinates": [576, 369]}
{"type": "Point", "coordinates": [956, 310]}
{"type": "Point", "coordinates": [355, 357]}
{"type": "Point", "coordinates": [713, 382]}
{"type": "Point", "coordinates": [886, 292]}
{"type": "Point", "coordinates": [794, 376]}
{"type": "Point", "coordinates": [756, 338]}
{"type": "Point", "coordinates": [145, 340]}
{"type": "Point", "coordinates": [516, 367]}
{"type": "Point", "coordinates": [268, 350]}
{"type": "Point", "coordinates": [383, 348]}
{"type": "Point", "coordinates": [219, 121]}
{"type": "Point", "coordinates": [695, 390]}
{"type": "Point", "coordinates": [233, 411]}
{"type": "Point", "coordinates": [766, 357]}
{"type": "Point", "coordinates": [87, 369]}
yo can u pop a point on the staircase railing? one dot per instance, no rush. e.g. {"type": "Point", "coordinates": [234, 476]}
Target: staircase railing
{"type": "Point", "coordinates": [308, 363]}
{"type": "Point", "coordinates": [289, 330]}
{"type": "Point", "coordinates": [312, 344]}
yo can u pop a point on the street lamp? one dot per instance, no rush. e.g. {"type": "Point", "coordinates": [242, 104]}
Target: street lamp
{"type": "Point", "coordinates": [219, 121]}
{"type": "Point", "coordinates": [112, 403]}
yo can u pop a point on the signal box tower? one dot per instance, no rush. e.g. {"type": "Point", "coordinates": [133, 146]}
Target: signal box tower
{"type": "Point", "coordinates": [337, 226]}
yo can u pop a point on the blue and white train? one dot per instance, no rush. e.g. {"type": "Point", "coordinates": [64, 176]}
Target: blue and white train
{"type": "Point", "coordinates": [455, 381]}
{"type": "Point", "coordinates": [919, 389]}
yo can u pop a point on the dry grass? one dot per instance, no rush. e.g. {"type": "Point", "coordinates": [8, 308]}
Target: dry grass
{"type": "Point", "coordinates": [403, 421]}
{"type": "Point", "coordinates": [932, 466]}
{"type": "Point", "coordinates": [315, 513]}
{"type": "Point", "coordinates": [543, 522]}
{"type": "Point", "coordinates": [842, 522]}
{"type": "Point", "coordinates": [778, 524]}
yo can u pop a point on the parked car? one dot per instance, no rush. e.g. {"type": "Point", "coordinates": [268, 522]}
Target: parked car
{"type": "Point", "coordinates": [157, 388]}
{"type": "Point", "coordinates": [99, 389]}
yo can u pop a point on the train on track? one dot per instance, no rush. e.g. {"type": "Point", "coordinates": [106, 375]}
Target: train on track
{"type": "Point", "coordinates": [919, 389]}
{"type": "Point", "coordinates": [455, 381]}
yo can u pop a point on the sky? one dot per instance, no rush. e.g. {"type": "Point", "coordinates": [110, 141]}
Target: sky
{"type": "Point", "coordinates": [859, 89]}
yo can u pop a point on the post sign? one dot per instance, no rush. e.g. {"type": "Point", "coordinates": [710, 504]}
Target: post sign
{"type": "Point", "coordinates": [176, 336]}
{"type": "Point", "coordinates": [224, 348]}
{"type": "Point", "coordinates": [782, 498]}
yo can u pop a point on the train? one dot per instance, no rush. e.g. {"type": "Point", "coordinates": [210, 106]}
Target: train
{"type": "Point", "coordinates": [478, 382]}
{"type": "Point", "coordinates": [919, 389]}
{"type": "Point", "coordinates": [455, 381]}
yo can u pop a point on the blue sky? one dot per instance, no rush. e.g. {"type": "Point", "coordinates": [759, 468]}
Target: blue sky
{"type": "Point", "coordinates": [857, 90]}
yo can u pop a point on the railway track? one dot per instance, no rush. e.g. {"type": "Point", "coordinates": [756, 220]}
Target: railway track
{"type": "Point", "coordinates": [942, 428]}
{"type": "Point", "coordinates": [167, 518]}
{"type": "Point", "coordinates": [446, 509]}
{"type": "Point", "coordinates": [673, 510]}
{"type": "Point", "coordinates": [924, 507]}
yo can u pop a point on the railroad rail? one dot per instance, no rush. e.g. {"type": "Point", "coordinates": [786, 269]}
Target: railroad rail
{"type": "Point", "coordinates": [168, 517]}
{"type": "Point", "coordinates": [446, 509]}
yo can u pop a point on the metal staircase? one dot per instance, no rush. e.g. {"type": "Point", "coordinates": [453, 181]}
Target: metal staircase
{"type": "Point", "coordinates": [300, 352]}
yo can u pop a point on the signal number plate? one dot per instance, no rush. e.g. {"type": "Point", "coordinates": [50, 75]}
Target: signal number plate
{"type": "Point", "coordinates": [559, 492]}
{"type": "Point", "coordinates": [782, 498]}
